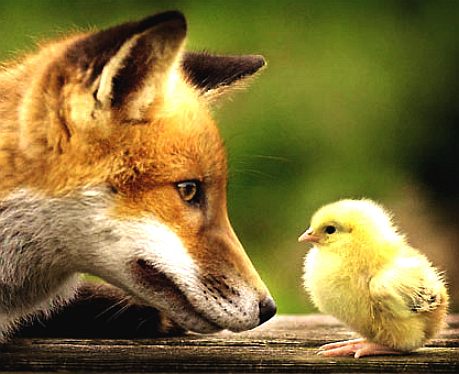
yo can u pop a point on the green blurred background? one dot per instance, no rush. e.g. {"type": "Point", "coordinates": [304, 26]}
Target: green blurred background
{"type": "Point", "coordinates": [360, 98]}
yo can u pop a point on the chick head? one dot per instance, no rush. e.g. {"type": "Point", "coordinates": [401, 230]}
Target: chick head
{"type": "Point", "coordinates": [350, 223]}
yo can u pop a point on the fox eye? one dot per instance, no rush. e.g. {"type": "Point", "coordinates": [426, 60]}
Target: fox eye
{"type": "Point", "coordinates": [330, 229]}
{"type": "Point", "coordinates": [190, 191]}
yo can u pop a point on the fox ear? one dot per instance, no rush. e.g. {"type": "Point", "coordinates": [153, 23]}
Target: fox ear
{"type": "Point", "coordinates": [213, 75]}
{"type": "Point", "coordinates": [127, 65]}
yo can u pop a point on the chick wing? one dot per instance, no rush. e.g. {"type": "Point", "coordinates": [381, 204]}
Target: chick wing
{"type": "Point", "coordinates": [408, 286]}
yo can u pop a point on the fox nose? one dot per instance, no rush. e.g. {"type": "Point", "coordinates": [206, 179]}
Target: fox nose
{"type": "Point", "coordinates": [267, 309]}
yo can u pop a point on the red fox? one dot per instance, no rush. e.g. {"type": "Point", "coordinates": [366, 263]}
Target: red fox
{"type": "Point", "coordinates": [110, 164]}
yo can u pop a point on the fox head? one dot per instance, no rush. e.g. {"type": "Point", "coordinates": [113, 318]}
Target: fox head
{"type": "Point", "coordinates": [138, 166]}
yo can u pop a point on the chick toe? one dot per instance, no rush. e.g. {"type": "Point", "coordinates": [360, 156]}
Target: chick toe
{"type": "Point", "coordinates": [329, 346]}
{"type": "Point", "coordinates": [373, 349]}
{"type": "Point", "coordinates": [357, 348]}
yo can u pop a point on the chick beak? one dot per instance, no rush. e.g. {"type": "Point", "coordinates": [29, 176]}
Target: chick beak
{"type": "Point", "coordinates": [309, 236]}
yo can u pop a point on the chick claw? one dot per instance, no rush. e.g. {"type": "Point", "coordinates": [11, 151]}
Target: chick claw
{"type": "Point", "coordinates": [356, 347]}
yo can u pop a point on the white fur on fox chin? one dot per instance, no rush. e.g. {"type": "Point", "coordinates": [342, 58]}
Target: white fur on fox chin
{"type": "Point", "coordinates": [45, 242]}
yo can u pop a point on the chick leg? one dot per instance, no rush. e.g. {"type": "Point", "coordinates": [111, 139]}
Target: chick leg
{"type": "Point", "coordinates": [357, 348]}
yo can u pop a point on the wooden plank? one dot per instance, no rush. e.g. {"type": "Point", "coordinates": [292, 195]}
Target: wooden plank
{"type": "Point", "coordinates": [286, 344]}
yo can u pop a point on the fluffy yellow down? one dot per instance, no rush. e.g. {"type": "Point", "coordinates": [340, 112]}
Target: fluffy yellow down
{"type": "Point", "coordinates": [362, 271]}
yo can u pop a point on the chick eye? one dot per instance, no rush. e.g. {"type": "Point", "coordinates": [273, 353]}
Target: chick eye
{"type": "Point", "coordinates": [190, 191]}
{"type": "Point", "coordinates": [330, 229]}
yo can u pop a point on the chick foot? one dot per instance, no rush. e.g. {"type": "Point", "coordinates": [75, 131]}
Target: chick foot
{"type": "Point", "coordinates": [357, 348]}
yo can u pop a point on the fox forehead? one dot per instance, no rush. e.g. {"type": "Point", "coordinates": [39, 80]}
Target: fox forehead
{"type": "Point", "coordinates": [182, 145]}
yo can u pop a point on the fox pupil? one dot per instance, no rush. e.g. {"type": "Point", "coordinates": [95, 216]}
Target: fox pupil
{"type": "Point", "coordinates": [189, 191]}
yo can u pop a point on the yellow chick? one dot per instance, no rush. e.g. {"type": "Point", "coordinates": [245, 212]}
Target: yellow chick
{"type": "Point", "coordinates": [362, 271]}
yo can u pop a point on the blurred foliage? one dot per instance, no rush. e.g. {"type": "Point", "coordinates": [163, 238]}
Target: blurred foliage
{"type": "Point", "coordinates": [359, 99]}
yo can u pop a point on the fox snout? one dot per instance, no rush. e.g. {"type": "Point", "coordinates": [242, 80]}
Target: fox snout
{"type": "Point", "coordinates": [204, 286]}
{"type": "Point", "coordinates": [237, 272]}
{"type": "Point", "coordinates": [234, 295]}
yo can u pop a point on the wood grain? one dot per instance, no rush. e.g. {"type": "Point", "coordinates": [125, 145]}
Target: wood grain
{"type": "Point", "coordinates": [285, 344]}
